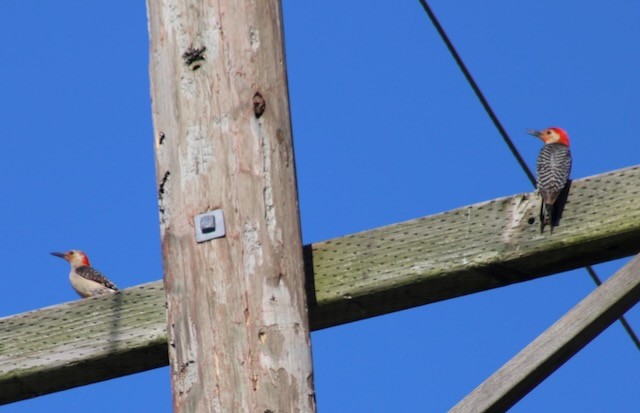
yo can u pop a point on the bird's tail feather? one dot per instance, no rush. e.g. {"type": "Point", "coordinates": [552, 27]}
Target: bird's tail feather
{"type": "Point", "coordinates": [551, 214]}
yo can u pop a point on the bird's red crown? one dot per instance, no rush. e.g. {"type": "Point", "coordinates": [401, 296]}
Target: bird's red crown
{"type": "Point", "coordinates": [552, 135]}
{"type": "Point", "coordinates": [563, 136]}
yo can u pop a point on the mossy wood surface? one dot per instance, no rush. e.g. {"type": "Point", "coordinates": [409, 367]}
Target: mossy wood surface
{"type": "Point", "coordinates": [375, 272]}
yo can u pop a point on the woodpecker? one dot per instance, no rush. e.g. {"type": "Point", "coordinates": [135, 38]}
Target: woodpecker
{"type": "Point", "coordinates": [86, 280]}
{"type": "Point", "coordinates": [553, 168]}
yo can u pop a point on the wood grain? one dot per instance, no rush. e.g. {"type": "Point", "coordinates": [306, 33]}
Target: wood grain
{"type": "Point", "coordinates": [470, 249]}
{"type": "Point", "coordinates": [81, 342]}
{"type": "Point", "coordinates": [237, 314]}
{"type": "Point", "coordinates": [557, 344]}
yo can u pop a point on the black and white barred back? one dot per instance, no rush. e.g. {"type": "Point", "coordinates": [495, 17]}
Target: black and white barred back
{"type": "Point", "coordinates": [553, 168]}
{"type": "Point", "coordinates": [94, 275]}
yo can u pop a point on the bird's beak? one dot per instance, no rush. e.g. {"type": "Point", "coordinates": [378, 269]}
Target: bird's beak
{"type": "Point", "coordinates": [59, 254]}
{"type": "Point", "coordinates": [535, 133]}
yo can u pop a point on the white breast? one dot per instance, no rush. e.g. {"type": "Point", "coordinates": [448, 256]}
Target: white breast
{"type": "Point", "coordinates": [87, 288]}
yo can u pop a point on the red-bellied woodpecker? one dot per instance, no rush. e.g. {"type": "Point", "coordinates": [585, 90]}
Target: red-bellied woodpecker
{"type": "Point", "coordinates": [86, 280]}
{"type": "Point", "coordinates": [553, 168]}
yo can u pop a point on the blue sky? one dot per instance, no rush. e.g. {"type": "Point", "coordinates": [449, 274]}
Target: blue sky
{"type": "Point", "coordinates": [385, 129]}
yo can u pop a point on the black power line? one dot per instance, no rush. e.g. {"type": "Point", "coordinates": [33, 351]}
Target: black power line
{"type": "Point", "coordinates": [478, 92]}
{"type": "Point", "coordinates": [506, 137]}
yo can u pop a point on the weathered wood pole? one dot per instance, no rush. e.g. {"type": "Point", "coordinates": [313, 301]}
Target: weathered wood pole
{"type": "Point", "coordinates": [237, 314]}
{"type": "Point", "coordinates": [557, 344]}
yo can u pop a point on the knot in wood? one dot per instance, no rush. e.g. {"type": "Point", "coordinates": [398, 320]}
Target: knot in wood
{"type": "Point", "coordinates": [193, 57]}
{"type": "Point", "coordinates": [259, 105]}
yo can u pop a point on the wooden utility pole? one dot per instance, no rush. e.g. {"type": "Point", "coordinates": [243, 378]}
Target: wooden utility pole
{"type": "Point", "coordinates": [237, 315]}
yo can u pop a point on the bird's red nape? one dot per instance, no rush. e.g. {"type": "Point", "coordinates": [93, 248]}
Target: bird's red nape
{"type": "Point", "coordinates": [85, 260]}
{"type": "Point", "coordinates": [564, 136]}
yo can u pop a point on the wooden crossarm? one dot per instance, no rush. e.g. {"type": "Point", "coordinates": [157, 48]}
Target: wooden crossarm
{"type": "Point", "coordinates": [375, 272]}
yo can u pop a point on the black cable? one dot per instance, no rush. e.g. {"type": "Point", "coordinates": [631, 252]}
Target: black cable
{"type": "Point", "coordinates": [506, 137]}
{"type": "Point", "coordinates": [478, 92]}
